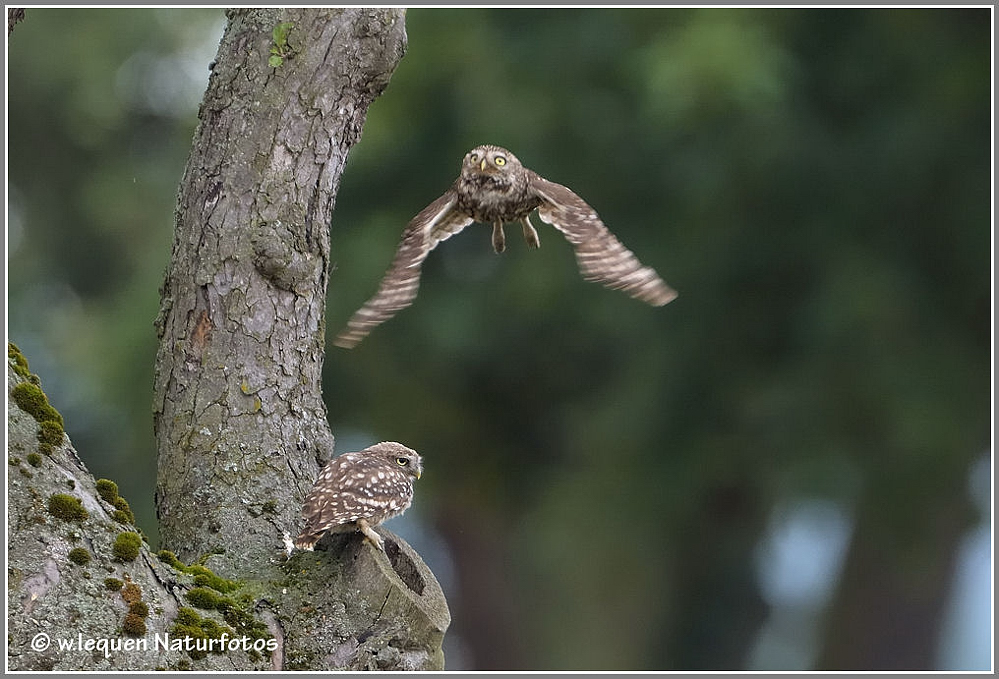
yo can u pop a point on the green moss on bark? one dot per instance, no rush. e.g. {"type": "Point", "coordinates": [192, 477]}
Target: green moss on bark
{"type": "Point", "coordinates": [67, 507]}
{"type": "Point", "coordinates": [32, 400]}
{"type": "Point", "coordinates": [79, 556]}
{"type": "Point", "coordinates": [126, 546]}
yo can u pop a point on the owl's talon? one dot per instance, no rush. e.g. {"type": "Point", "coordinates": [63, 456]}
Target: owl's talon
{"type": "Point", "coordinates": [530, 234]}
{"type": "Point", "coordinates": [370, 535]}
{"type": "Point", "coordinates": [499, 238]}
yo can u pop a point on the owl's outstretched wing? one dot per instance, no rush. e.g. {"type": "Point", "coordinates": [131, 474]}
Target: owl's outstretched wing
{"type": "Point", "coordinates": [600, 255]}
{"type": "Point", "coordinates": [435, 223]}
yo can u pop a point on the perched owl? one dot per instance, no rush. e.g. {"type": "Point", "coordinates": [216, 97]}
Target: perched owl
{"type": "Point", "coordinates": [358, 491]}
{"type": "Point", "coordinates": [494, 188]}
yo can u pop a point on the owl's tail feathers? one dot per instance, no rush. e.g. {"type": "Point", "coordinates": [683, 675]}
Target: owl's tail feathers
{"type": "Point", "coordinates": [306, 541]}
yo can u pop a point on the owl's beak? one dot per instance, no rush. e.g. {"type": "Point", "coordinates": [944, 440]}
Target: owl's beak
{"type": "Point", "coordinates": [482, 165]}
{"type": "Point", "coordinates": [419, 473]}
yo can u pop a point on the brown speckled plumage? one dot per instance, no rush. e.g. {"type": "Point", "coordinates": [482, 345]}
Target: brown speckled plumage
{"type": "Point", "coordinates": [494, 188]}
{"type": "Point", "coordinates": [357, 491]}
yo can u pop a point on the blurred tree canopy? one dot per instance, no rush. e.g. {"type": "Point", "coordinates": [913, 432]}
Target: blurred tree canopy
{"type": "Point", "coordinates": [815, 183]}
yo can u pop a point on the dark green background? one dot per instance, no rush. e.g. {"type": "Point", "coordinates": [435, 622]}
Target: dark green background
{"type": "Point", "coordinates": [600, 475]}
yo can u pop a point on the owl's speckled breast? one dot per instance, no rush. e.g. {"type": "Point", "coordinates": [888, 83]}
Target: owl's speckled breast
{"type": "Point", "coordinates": [489, 199]}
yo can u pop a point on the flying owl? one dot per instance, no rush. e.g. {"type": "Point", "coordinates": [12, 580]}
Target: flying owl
{"type": "Point", "coordinates": [494, 188]}
{"type": "Point", "coordinates": [358, 491]}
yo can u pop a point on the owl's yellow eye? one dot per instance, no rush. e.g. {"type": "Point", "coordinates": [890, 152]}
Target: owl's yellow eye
{"type": "Point", "coordinates": [402, 461]}
{"type": "Point", "coordinates": [500, 161]}
{"type": "Point", "coordinates": [474, 157]}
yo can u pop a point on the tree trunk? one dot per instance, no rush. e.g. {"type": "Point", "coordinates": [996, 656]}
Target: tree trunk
{"type": "Point", "coordinates": [887, 613]}
{"type": "Point", "coordinates": [239, 418]}
{"type": "Point", "coordinates": [238, 413]}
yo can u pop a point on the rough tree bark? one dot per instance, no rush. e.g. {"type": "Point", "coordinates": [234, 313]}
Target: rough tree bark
{"type": "Point", "coordinates": [240, 422]}
{"type": "Point", "coordinates": [239, 418]}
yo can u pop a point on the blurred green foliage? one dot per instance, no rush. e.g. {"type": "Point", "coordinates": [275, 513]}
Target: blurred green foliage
{"type": "Point", "coordinates": [815, 183]}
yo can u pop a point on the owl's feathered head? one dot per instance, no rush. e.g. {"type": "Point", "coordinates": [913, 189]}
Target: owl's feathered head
{"type": "Point", "coordinates": [490, 160]}
{"type": "Point", "coordinates": [399, 455]}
